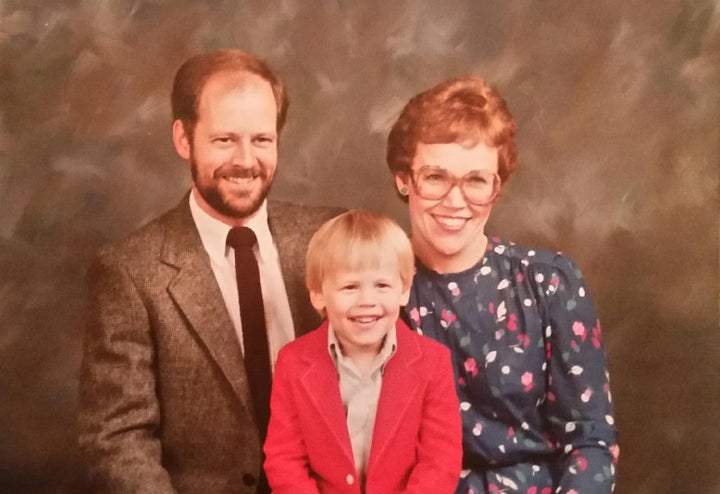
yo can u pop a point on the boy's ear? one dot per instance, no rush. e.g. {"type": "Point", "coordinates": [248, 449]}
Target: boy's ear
{"type": "Point", "coordinates": [405, 297]}
{"type": "Point", "coordinates": [318, 301]}
{"type": "Point", "coordinates": [181, 140]}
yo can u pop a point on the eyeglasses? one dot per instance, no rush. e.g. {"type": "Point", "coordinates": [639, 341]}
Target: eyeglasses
{"type": "Point", "coordinates": [479, 187]}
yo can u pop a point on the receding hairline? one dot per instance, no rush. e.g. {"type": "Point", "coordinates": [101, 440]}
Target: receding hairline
{"type": "Point", "coordinates": [231, 80]}
{"type": "Point", "coordinates": [193, 75]}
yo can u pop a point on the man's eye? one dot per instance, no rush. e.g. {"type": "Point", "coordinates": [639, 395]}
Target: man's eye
{"type": "Point", "coordinates": [265, 140]}
{"type": "Point", "coordinates": [222, 140]}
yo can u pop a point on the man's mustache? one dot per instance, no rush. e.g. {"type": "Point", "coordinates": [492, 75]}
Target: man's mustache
{"type": "Point", "coordinates": [229, 170]}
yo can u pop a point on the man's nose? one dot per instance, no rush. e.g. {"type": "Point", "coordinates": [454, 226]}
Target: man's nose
{"type": "Point", "coordinates": [243, 154]}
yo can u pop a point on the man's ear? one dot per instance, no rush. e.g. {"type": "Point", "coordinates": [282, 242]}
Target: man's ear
{"type": "Point", "coordinates": [181, 140]}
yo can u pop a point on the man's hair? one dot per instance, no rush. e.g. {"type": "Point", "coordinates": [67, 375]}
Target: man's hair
{"type": "Point", "coordinates": [192, 76]}
{"type": "Point", "coordinates": [462, 110]}
{"type": "Point", "coordinates": [357, 239]}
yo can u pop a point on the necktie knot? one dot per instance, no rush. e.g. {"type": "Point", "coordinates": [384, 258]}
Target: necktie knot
{"type": "Point", "coordinates": [241, 236]}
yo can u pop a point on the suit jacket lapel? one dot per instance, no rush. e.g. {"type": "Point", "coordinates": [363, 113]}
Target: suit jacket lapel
{"type": "Point", "coordinates": [320, 382]}
{"type": "Point", "coordinates": [290, 234]}
{"type": "Point", "coordinates": [196, 292]}
{"type": "Point", "coordinates": [399, 379]}
{"type": "Point", "coordinates": [291, 262]}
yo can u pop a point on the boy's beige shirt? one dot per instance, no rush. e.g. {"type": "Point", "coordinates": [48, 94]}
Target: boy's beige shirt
{"type": "Point", "coordinates": [360, 395]}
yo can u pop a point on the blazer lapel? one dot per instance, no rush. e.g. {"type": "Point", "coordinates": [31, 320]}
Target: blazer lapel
{"type": "Point", "coordinates": [399, 379]}
{"type": "Point", "coordinates": [320, 383]}
{"type": "Point", "coordinates": [196, 292]}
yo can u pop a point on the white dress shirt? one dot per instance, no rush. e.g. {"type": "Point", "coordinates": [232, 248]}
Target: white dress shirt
{"type": "Point", "coordinates": [213, 234]}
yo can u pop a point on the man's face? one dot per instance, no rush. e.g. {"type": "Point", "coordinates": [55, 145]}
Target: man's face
{"type": "Point", "coordinates": [233, 150]}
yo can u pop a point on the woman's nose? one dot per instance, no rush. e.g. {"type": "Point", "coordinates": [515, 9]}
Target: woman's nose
{"type": "Point", "coordinates": [455, 197]}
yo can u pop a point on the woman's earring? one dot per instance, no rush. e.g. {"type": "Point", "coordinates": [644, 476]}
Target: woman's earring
{"type": "Point", "coordinates": [403, 190]}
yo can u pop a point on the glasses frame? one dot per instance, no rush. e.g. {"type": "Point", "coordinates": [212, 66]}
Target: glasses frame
{"type": "Point", "coordinates": [455, 181]}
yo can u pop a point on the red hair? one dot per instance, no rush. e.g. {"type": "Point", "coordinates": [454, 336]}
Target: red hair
{"type": "Point", "coordinates": [460, 110]}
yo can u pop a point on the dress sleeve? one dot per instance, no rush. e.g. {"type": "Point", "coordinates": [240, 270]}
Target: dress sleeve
{"type": "Point", "coordinates": [287, 463]}
{"type": "Point", "coordinates": [119, 408]}
{"type": "Point", "coordinates": [579, 406]}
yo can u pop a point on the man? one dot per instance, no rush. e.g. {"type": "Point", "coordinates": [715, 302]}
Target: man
{"type": "Point", "coordinates": [165, 399]}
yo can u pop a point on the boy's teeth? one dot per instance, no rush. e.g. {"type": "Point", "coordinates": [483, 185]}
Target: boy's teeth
{"type": "Point", "coordinates": [366, 319]}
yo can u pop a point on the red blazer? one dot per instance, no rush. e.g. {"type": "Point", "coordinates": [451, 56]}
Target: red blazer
{"type": "Point", "coordinates": [417, 440]}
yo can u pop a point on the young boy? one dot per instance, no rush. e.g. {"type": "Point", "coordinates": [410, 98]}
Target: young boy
{"type": "Point", "coordinates": [362, 405]}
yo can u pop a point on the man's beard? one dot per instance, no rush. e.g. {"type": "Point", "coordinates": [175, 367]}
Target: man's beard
{"type": "Point", "coordinates": [225, 204]}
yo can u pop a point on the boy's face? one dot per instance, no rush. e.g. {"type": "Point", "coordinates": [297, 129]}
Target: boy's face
{"type": "Point", "coordinates": [362, 305]}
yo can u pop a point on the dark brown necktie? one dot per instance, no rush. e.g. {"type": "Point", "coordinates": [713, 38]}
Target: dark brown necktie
{"type": "Point", "coordinates": [252, 316]}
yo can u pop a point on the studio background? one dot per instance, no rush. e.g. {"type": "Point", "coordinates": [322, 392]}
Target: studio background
{"type": "Point", "coordinates": [617, 101]}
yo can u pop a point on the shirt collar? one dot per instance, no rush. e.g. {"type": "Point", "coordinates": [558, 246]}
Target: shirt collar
{"type": "Point", "coordinates": [213, 232]}
{"type": "Point", "coordinates": [387, 350]}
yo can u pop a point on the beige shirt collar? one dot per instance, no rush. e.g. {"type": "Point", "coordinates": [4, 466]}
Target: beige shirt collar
{"type": "Point", "coordinates": [387, 350]}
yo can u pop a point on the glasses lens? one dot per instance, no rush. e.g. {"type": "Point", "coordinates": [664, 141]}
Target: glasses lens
{"type": "Point", "coordinates": [433, 183]}
{"type": "Point", "coordinates": [479, 187]}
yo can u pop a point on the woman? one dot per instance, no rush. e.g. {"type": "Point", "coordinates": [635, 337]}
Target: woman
{"type": "Point", "coordinates": [525, 339]}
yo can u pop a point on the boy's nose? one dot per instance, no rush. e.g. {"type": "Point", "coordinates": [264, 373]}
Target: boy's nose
{"type": "Point", "coordinates": [366, 297]}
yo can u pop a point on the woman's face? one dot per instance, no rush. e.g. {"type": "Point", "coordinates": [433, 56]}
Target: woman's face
{"type": "Point", "coordinates": [448, 233]}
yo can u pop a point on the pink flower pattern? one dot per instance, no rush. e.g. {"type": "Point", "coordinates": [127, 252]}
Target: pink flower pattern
{"type": "Point", "coordinates": [544, 341]}
{"type": "Point", "coordinates": [415, 315]}
{"type": "Point", "coordinates": [471, 366]}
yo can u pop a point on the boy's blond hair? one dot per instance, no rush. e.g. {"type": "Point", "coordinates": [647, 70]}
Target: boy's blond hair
{"type": "Point", "coordinates": [357, 239]}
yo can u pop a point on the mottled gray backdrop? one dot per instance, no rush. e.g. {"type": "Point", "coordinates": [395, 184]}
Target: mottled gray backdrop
{"type": "Point", "coordinates": [618, 107]}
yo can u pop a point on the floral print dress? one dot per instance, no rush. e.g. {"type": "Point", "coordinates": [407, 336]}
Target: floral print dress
{"type": "Point", "coordinates": [530, 371]}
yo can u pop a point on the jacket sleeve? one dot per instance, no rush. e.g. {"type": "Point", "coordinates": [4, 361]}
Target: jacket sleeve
{"type": "Point", "coordinates": [580, 413]}
{"type": "Point", "coordinates": [286, 458]}
{"type": "Point", "coordinates": [439, 450]}
{"type": "Point", "coordinates": [119, 408]}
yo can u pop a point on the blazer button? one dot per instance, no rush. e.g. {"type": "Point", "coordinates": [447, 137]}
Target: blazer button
{"type": "Point", "coordinates": [350, 479]}
{"type": "Point", "coordinates": [249, 479]}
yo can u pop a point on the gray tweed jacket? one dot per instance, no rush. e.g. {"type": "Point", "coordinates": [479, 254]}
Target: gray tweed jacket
{"type": "Point", "coordinates": [164, 400]}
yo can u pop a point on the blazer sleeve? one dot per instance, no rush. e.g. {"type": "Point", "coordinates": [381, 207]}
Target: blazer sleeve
{"type": "Point", "coordinates": [119, 408]}
{"type": "Point", "coordinates": [439, 450]}
{"type": "Point", "coordinates": [287, 463]}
